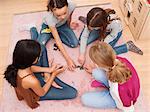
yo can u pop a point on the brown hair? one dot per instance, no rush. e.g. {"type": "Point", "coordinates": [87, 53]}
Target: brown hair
{"type": "Point", "coordinates": [103, 55]}
{"type": "Point", "coordinates": [56, 4]}
{"type": "Point", "coordinates": [98, 17]}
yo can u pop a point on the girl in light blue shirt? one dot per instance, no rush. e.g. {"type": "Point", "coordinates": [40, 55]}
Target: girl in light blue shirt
{"type": "Point", "coordinates": [104, 25]}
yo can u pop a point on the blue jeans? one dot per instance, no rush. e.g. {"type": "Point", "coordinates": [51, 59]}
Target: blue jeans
{"type": "Point", "coordinates": [121, 48]}
{"type": "Point", "coordinates": [66, 34]}
{"type": "Point", "coordinates": [66, 92]}
{"type": "Point", "coordinates": [99, 99]}
{"type": "Point", "coordinates": [94, 35]}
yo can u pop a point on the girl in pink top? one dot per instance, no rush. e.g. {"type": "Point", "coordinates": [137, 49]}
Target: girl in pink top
{"type": "Point", "coordinates": [117, 75]}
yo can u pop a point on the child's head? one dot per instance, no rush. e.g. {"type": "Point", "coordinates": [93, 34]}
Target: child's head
{"type": "Point", "coordinates": [25, 54]}
{"type": "Point", "coordinates": [98, 18]}
{"type": "Point", "coordinates": [103, 55]}
{"type": "Point", "coordinates": [59, 8]}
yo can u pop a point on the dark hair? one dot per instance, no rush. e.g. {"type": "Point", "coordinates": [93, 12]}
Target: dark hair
{"type": "Point", "coordinates": [98, 17]}
{"type": "Point", "coordinates": [25, 53]}
{"type": "Point", "coordinates": [56, 4]}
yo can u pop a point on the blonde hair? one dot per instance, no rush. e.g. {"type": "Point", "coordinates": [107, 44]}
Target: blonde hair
{"type": "Point", "coordinates": [103, 55]}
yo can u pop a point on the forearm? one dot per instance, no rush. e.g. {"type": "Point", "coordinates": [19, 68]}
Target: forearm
{"type": "Point", "coordinates": [59, 44]}
{"type": "Point", "coordinates": [69, 19]}
{"type": "Point", "coordinates": [47, 86]}
{"type": "Point", "coordinates": [83, 42]}
{"type": "Point", "coordinates": [40, 69]}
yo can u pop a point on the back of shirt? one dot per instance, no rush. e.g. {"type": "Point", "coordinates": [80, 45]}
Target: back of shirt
{"type": "Point", "coordinates": [129, 91]}
{"type": "Point", "coordinates": [26, 94]}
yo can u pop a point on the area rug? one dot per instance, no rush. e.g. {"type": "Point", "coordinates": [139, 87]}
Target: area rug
{"type": "Point", "coordinates": [78, 79]}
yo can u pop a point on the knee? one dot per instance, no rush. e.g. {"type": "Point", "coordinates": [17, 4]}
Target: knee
{"type": "Point", "coordinates": [85, 99]}
{"type": "Point", "coordinates": [33, 29]}
{"type": "Point", "coordinates": [43, 48]}
{"type": "Point", "coordinates": [75, 44]}
{"type": "Point", "coordinates": [72, 93]}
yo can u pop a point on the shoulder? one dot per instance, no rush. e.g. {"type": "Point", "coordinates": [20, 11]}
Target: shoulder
{"type": "Point", "coordinates": [115, 24]}
{"type": "Point", "coordinates": [29, 82]}
{"type": "Point", "coordinates": [71, 5]}
{"type": "Point", "coordinates": [126, 62]}
{"type": "Point", "coordinates": [50, 19]}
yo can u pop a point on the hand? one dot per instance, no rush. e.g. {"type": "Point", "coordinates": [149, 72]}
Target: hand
{"type": "Point", "coordinates": [71, 64]}
{"type": "Point", "coordinates": [88, 68]}
{"type": "Point", "coordinates": [53, 67]}
{"type": "Point", "coordinates": [56, 85]}
{"type": "Point", "coordinates": [46, 77]}
{"type": "Point", "coordinates": [58, 71]}
{"type": "Point", "coordinates": [81, 59]}
{"type": "Point", "coordinates": [74, 25]}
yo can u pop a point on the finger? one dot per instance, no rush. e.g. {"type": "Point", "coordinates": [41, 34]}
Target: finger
{"type": "Point", "coordinates": [70, 68]}
{"type": "Point", "coordinates": [51, 61]}
{"type": "Point", "coordinates": [80, 62]}
{"type": "Point", "coordinates": [65, 67]}
{"type": "Point", "coordinates": [74, 66]}
{"type": "Point", "coordinates": [86, 70]}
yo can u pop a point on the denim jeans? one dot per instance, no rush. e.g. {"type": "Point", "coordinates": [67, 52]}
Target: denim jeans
{"type": "Point", "coordinates": [66, 34]}
{"type": "Point", "coordinates": [66, 92]}
{"type": "Point", "coordinates": [94, 35]}
{"type": "Point", "coordinates": [99, 99]}
{"type": "Point", "coordinates": [121, 48]}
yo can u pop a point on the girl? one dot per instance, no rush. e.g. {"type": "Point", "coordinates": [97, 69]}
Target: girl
{"type": "Point", "coordinates": [106, 25]}
{"type": "Point", "coordinates": [27, 78]}
{"type": "Point", "coordinates": [117, 75]}
{"type": "Point", "coordinates": [57, 25]}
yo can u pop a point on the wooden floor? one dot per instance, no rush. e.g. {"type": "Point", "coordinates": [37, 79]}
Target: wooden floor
{"type": "Point", "coordinates": [8, 8]}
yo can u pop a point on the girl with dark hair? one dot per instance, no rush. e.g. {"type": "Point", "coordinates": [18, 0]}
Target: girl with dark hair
{"type": "Point", "coordinates": [116, 75]}
{"type": "Point", "coordinates": [106, 26]}
{"type": "Point", "coordinates": [57, 23]}
{"type": "Point", "coordinates": [33, 83]}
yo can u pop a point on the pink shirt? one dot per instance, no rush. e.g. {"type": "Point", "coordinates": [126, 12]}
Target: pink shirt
{"type": "Point", "coordinates": [129, 91]}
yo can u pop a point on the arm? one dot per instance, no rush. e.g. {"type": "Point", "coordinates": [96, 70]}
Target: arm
{"type": "Point", "coordinates": [115, 27]}
{"type": "Point", "coordinates": [115, 95]}
{"type": "Point", "coordinates": [62, 49]}
{"type": "Point", "coordinates": [113, 87]}
{"type": "Point", "coordinates": [35, 68]}
{"type": "Point", "coordinates": [40, 69]}
{"type": "Point", "coordinates": [71, 7]}
{"type": "Point", "coordinates": [59, 43]}
{"type": "Point", "coordinates": [83, 45]}
{"type": "Point", "coordinates": [119, 103]}
{"type": "Point", "coordinates": [69, 19]}
{"type": "Point", "coordinates": [41, 91]}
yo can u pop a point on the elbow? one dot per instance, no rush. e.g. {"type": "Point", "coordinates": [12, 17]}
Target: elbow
{"type": "Point", "coordinates": [41, 94]}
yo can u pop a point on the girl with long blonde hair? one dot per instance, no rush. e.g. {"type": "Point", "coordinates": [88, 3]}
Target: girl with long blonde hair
{"type": "Point", "coordinates": [117, 75]}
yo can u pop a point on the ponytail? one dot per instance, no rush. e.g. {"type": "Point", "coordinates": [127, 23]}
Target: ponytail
{"type": "Point", "coordinates": [11, 75]}
{"type": "Point", "coordinates": [110, 11]}
{"type": "Point", "coordinates": [119, 72]}
{"type": "Point", "coordinates": [104, 56]}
